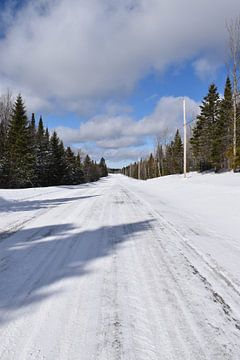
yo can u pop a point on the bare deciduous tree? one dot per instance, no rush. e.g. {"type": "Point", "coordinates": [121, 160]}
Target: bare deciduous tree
{"type": "Point", "coordinates": [233, 28]}
{"type": "Point", "coordinates": [6, 105]}
{"type": "Point", "coordinates": [161, 141]}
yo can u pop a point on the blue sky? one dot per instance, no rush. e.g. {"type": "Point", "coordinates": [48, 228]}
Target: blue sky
{"type": "Point", "coordinates": [145, 95]}
{"type": "Point", "coordinates": [110, 75]}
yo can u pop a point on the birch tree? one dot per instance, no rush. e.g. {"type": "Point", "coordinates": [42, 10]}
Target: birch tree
{"type": "Point", "coordinates": [233, 28]}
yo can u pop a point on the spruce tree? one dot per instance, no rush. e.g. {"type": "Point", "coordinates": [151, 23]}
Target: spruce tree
{"type": "Point", "coordinates": [3, 164]}
{"type": "Point", "coordinates": [19, 151]}
{"type": "Point", "coordinates": [168, 160]}
{"type": "Point", "coordinates": [87, 168]}
{"type": "Point", "coordinates": [42, 154]}
{"type": "Point", "coordinates": [57, 161]}
{"type": "Point", "coordinates": [69, 176]}
{"type": "Point", "coordinates": [135, 171]}
{"type": "Point", "coordinates": [79, 174]}
{"type": "Point", "coordinates": [224, 133]}
{"type": "Point", "coordinates": [103, 168]}
{"type": "Point", "coordinates": [177, 154]}
{"type": "Point", "coordinates": [237, 161]}
{"type": "Point", "coordinates": [95, 171]}
{"type": "Point", "coordinates": [29, 157]}
{"type": "Point", "coordinates": [33, 148]}
{"type": "Point", "coordinates": [204, 144]}
{"type": "Point", "coordinates": [151, 167]}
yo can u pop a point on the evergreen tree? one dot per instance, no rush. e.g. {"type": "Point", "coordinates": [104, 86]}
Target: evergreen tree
{"type": "Point", "coordinates": [95, 172]}
{"type": "Point", "coordinates": [151, 167]}
{"type": "Point", "coordinates": [237, 161]}
{"type": "Point", "coordinates": [103, 168]}
{"type": "Point", "coordinates": [29, 157]}
{"type": "Point", "coordinates": [91, 170]}
{"type": "Point", "coordinates": [57, 161]}
{"type": "Point", "coordinates": [70, 170]}
{"type": "Point", "coordinates": [177, 154]}
{"type": "Point", "coordinates": [3, 170]}
{"type": "Point", "coordinates": [204, 144]}
{"type": "Point", "coordinates": [42, 155]}
{"type": "Point", "coordinates": [135, 171]}
{"type": "Point", "coordinates": [33, 148]}
{"type": "Point", "coordinates": [79, 174]}
{"type": "Point", "coordinates": [224, 132]}
{"type": "Point", "coordinates": [87, 165]}
{"type": "Point", "coordinates": [19, 152]}
{"type": "Point", "coordinates": [168, 160]}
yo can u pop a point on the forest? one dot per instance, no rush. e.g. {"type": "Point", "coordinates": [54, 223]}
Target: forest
{"type": "Point", "coordinates": [31, 156]}
{"type": "Point", "coordinates": [210, 143]}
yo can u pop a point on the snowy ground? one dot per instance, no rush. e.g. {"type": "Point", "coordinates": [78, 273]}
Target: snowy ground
{"type": "Point", "coordinates": [122, 269]}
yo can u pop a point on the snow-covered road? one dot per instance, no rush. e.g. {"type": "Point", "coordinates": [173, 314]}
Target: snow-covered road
{"type": "Point", "coordinates": [98, 272]}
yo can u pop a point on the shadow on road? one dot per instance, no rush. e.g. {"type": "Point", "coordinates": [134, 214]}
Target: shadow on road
{"type": "Point", "coordinates": [29, 205]}
{"type": "Point", "coordinates": [31, 260]}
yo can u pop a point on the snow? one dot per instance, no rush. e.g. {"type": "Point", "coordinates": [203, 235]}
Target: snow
{"type": "Point", "coordinates": [122, 269]}
{"type": "Point", "coordinates": [206, 208]}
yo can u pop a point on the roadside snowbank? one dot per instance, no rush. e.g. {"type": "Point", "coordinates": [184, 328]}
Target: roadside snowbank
{"type": "Point", "coordinates": [203, 207]}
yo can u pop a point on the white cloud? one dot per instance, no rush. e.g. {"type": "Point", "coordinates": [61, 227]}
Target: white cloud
{"type": "Point", "coordinates": [152, 97]}
{"type": "Point", "coordinates": [120, 142]}
{"type": "Point", "coordinates": [120, 157]}
{"type": "Point", "coordinates": [119, 136]}
{"type": "Point", "coordinates": [206, 68]}
{"type": "Point", "coordinates": [167, 115]}
{"type": "Point", "coordinates": [73, 53]}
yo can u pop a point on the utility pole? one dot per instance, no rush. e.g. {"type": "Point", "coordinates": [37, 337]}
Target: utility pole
{"type": "Point", "coordinates": [139, 170]}
{"type": "Point", "coordinates": [185, 139]}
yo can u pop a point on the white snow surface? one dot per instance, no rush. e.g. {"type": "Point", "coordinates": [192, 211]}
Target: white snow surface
{"type": "Point", "coordinates": [122, 269]}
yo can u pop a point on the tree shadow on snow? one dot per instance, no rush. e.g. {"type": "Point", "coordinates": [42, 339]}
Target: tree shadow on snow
{"type": "Point", "coordinates": [28, 205]}
{"type": "Point", "coordinates": [32, 260]}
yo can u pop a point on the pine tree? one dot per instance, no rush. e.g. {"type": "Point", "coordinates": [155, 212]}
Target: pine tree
{"type": "Point", "coordinates": [79, 174]}
{"type": "Point", "coordinates": [135, 170]}
{"type": "Point", "coordinates": [224, 132]}
{"type": "Point", "coordinates": [3, 170]}
{"type": "Point", "coordinates": [237, 161]}
{"type": "Point", "coordinates": [177, 154]}
{"type": "Point", "coordinates": [151, 167]}
{"type": "Point", "coordinates": [29, 157]}
{"type": "Point", "coordinates": [95, 172]}
{"type": "Point", "coordinates": [33, 148]}
{"type": "Point", "coordinates": [87, 164]}
{"type": "Point", "coordinates": [42, 155]}
{"type": "Point", "coordinates": [91, 170]}
{"type": "Point", "coordinates": [57, 161]}
{"type": "Point", "coordinates": [19, 152]}
{"type": "Point", "coordinates": [103, 168]}
{"type": "Point", "coordinates": [168, 160]}
{"type": "Point", "coordinates": [69, 176]}
{"type": "Point", "coordinates": [204, 144]}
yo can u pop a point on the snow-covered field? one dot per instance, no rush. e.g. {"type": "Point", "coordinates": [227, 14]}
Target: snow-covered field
{"type": "Point", "coordinates": [122, 269]}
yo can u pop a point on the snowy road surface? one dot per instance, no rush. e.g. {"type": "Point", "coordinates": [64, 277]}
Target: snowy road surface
{"type": "Point", "coordinates": [99, 272]}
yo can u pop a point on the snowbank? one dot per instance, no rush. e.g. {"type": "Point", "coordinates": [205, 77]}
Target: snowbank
{"type": "Point", "coordinates": [203, 207]}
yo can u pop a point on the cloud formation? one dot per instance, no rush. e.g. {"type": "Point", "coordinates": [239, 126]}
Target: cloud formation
{"type": "Point", "coordinates": [70, 54]}
{"type": "Point", "coordinates": [118, 137]}
{"type": "Point", "coordinates": [206, 68]}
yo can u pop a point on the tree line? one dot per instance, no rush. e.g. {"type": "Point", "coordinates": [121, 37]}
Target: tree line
{"type": "Point", "coordinates": [30, 156]}
{"type": "Point", "coordinates": [210, 141]}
